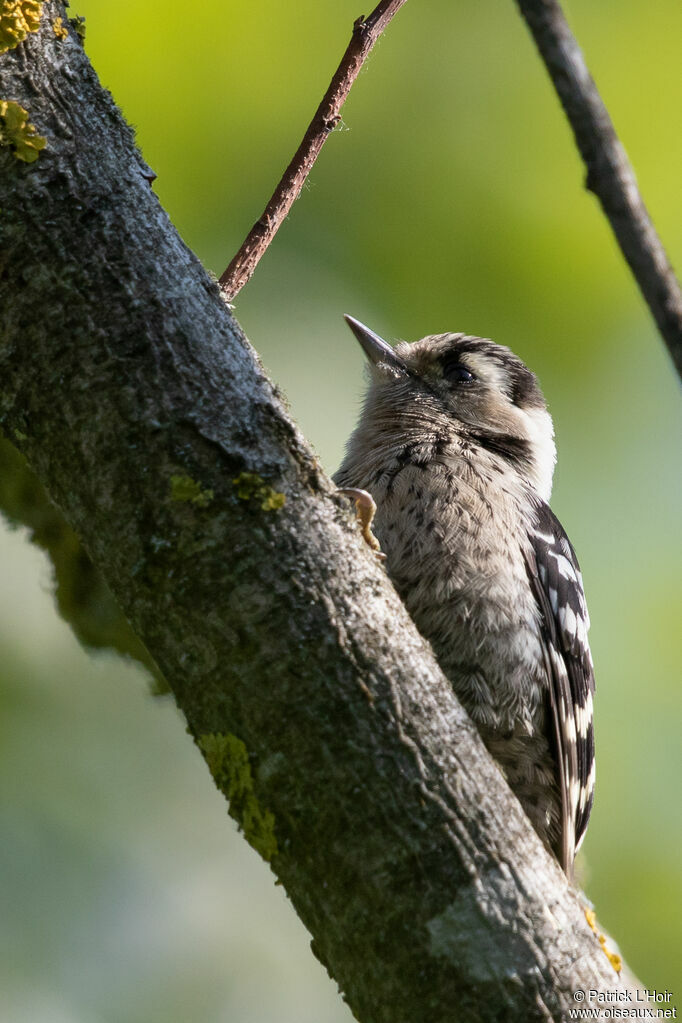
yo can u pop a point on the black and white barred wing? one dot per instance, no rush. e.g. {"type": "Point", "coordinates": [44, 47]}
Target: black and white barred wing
{"type": "Point", "coordinates": [558, 586]}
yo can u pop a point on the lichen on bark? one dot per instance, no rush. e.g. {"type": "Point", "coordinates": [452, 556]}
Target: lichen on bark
{"type": "Point", "coordinates": [18, 134]}
{"type": "Point", "coordinates": [17, 19]}
{"type": "Point", "coordinates": [228, 761]}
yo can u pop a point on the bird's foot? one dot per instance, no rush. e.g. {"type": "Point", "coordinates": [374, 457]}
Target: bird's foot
{"type": "Point", "coordinates": [365, 508]}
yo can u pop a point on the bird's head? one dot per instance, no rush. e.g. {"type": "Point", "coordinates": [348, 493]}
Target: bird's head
{"type": "Point", "coordinates": [479, 390]}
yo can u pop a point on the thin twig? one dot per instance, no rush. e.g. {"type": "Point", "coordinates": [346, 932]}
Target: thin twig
{"type": "Point", "coordinates": [609, 173]}
{"type": "Point", "coordinates": [366, 31]}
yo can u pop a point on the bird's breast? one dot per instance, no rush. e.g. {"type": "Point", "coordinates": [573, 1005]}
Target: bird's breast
{"type": "Point", "coordinates": [454, 546]}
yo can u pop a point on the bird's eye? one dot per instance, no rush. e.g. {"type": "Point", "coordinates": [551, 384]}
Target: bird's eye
{"type": "Point", "coordinates": [456, 372]}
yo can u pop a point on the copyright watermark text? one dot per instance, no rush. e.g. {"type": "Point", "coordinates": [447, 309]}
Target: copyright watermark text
{"type": "Point", "coordinates": [647, 1003]}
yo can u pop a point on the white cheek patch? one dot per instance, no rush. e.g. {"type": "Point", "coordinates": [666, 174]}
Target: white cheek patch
{"type": "Point", "coordinates": [540, 431]}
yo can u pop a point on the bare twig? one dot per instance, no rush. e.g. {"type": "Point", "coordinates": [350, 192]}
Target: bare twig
{"type": "Point", "coordinates": [609, 173]}
{"type": "Point", "coordinates": [366, 31]}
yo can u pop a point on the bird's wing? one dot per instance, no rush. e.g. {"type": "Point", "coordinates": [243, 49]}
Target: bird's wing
{"type": "Point", "coordinates": [558, 586]}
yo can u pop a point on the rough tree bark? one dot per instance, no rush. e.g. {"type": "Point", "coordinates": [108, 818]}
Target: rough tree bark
{"type": "Point", "coordinates": [321, 712]}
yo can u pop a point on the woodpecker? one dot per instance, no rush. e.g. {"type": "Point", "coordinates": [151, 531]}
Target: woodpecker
{"type": "Point", "coordinates": [456, 447]}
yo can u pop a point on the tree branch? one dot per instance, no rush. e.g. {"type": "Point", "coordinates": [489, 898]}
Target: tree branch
{"type": "Point", "coordinates": [321, 712]}
{"type": "Point", "coordinates": [609, 173]}
{"type": "Point", "coordinates": [82, 596]}
{"type": "Point", "coordinates": [366, 31]}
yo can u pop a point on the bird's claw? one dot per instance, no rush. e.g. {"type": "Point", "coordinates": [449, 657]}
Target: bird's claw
{"type": "Point", "coordinates": [365, 508]}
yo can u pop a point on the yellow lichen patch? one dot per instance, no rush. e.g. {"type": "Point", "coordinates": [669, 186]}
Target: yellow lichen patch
{"type": "Point", "coordinates": [60, 29]}
{"type": "Point", "coordinates": [184, 488]}
{"type": "Point", "coordinates": [17, 132]}
{"type": "Point", "coordinates": [228, 761]}
{"type": "Point", "coordinates": [613, 957]}
{"type": "Point", "coordinates": [17, 19]}
{"type": "Point", "coordinates": [252, 487]}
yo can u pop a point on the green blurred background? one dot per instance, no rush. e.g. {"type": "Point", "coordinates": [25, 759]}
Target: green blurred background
{"type": "Point", "coordinates": [449, 199]}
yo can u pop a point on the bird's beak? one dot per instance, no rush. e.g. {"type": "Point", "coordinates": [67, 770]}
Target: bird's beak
{"type": "Point", "coordinates": [374, 347]}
